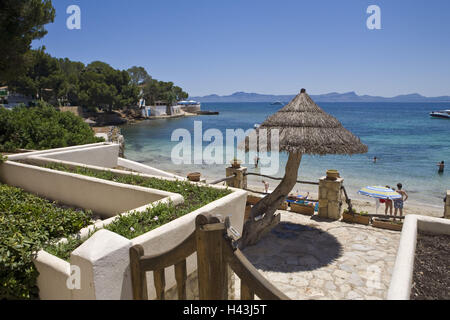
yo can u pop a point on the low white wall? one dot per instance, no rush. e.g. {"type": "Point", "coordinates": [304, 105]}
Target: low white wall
{"type": "Point", "coordinates": [103, 156]}
{"type": "Point", "coordinates": [53, 276]}
{"type": "Point", "coordinates": [402, 276]}
{"type": "Point", "coordinates": [20, 156]}
{"type": "Point", "coordinates": [136, 166]}
{"type": "Point", "coordinates": [103, 260]}
{"type": "Point", "coordinates": [105, 198]}
{"type": "Point", "coordinates": [168, 236]}
{"type": "Point", "coordinates": [62, 186]}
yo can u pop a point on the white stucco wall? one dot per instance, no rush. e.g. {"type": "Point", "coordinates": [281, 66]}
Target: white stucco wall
{"type": "Point", "coordinates": [402, 276]}
{"type": "Point", "coordinates": [53, 275]}
{"type": "Point", "coordinates": [20, 156]}
{"type": "Point", "coordinates": [103, 197]}
{"type": "Point", "coordinates": [103, 156]}
{"type": "Point", "coordinates": [136, 166]}
{"type": "Point", "coordinates": [168, 236]}
{"type": "Point", "coordinates": [104, 258]}
{"type": "Point", "coordinates": [106, 196]}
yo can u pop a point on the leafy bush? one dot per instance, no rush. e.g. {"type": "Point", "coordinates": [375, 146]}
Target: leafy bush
{"type": "Point", "coordinates": [3, 158]}
{"type": "Point", "coordinates": [42, 127]}
{"type": "Point", "coordinates": [63, 250]}
{"type": "Point", "coordinates": [27, 222]}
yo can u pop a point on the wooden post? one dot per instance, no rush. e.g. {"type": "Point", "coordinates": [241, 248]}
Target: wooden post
{"type": "Point", "coordinates": [138, 278]}
{"type": "Point", "coordinates": [211, 266]}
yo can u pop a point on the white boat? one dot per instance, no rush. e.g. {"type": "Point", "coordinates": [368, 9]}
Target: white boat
{"type": "Point", "coordinates": [443, 114]}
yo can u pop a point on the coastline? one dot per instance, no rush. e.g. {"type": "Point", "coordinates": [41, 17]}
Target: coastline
{"type": "Point", "coordinates": [359, 202]}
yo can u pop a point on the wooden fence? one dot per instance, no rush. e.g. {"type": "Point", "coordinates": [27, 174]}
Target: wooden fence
{"type": "Point", "coordinates": [214, 242]}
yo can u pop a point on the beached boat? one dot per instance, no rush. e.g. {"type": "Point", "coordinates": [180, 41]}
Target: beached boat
{"type": "Point", "coordinates": [190, 106]}
{"type": "Point", "coordinates": [444, 114]}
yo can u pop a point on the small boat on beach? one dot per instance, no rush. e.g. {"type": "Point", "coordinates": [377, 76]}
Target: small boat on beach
{"type": "Point", "coordinates": [444, 114]}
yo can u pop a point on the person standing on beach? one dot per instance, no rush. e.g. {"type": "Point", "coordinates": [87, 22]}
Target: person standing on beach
{"type": "Point", "coordinates": [398, 204]}
{"type": "Point", "coordinates": [441, 166]}
{"type": "Point", "coordinates": [388, 204]}
{"type": "Point", "coordinates": [266, 186]}
{"type": "Point", "coordinates": [256, 161]}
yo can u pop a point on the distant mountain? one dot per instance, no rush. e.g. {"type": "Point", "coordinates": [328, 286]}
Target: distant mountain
{"type": "Point", "coordinates": [329, 97]}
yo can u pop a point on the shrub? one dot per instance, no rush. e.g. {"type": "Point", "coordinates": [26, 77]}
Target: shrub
{"type": "Point", "coordinates": [42, 127]}
{"type": "Point", "coordinates": [3, 158]}
{"type": "Point", "coordinates": [27, 222]}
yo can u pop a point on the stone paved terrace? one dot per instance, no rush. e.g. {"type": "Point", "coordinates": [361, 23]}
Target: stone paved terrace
{"type": "Point", "coordinates": [308, 258]}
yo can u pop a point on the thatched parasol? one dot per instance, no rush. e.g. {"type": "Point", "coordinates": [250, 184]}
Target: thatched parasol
{"type": "Point", "coordinates": [303, 128]}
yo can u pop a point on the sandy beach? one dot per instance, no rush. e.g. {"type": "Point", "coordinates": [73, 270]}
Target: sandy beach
{"type": "Point", "coordinates": [362, 203]}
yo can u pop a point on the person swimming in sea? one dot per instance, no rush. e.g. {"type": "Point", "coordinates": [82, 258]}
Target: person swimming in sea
{"type": "Point", "coordinates": [441, 166]}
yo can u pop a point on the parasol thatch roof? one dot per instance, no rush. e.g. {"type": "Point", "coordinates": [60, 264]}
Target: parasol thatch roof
{"type": "Point", "coordinates": [305, 128]}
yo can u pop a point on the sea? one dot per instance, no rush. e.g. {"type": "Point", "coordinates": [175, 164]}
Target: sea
{"type": "Point", "coordinates": [406, 141]}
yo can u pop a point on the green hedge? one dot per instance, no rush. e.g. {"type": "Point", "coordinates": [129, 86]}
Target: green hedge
{"type": "Point", "coordinates": [27, 222]}
{"type": "Point", "coordinates": [42, 127]}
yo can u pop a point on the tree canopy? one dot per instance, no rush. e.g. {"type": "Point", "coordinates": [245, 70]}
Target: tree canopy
{"type": "Point", "coordinates": [138, 75]}
{"type": "Point", "coordinates": [155, 90]}
{"type": "Point", "coordinates": [61, 81]}
{"type": "Point", "coordinates": [21, 22]}
{"type": "Point", "coordinates": [103, 86]}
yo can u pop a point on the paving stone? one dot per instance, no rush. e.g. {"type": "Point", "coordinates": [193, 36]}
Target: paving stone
{"type": "Point", "coordinates": [339, 281]}
{"type": "Point", "coordinates": [345, 288]}
{"type": "Point", "coordinates": [341, 274]}
{"type": "Point", "coordinates": [361, 247]}
{"type": "Point", "coordinates": [299, 282]}
{"type": "Point", "coordinates": [353, 295]}
{"type": "Point", "coordinates": [355, 280]}
{"type": "Point", "coordinates": [292, 260]}
{"type": "Point", "coordinates": [314, 292]}
{"type": "Point", "coordinates": [298, 243]}
{"type": "Point", "coordinates": [346, 267]}
{"type": "Point", "coordinates": [317, 283]}
{"type": "Point", "coordinates": [324, 275]}
{"type": "Point", "coordinates": [308, 260]}
{"type": "Point", "coordinates": [330, 286]}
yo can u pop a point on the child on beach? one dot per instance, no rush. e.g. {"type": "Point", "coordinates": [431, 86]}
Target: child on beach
{"type": "Point", "coordinates": [388, 204]}
{"type": "Point", "coordinates": [266, 186]}
{"type": "Point", "coordinates": [398, 204]}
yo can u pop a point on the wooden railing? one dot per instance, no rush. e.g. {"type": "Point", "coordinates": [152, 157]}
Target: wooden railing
{"type": "Point", "coordinates": [213, 240]}
{"type": "Point", "coordinates": [275, 178]}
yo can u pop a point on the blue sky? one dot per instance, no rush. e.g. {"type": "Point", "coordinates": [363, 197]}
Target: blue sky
{"type": "Point", "coordinates": [273, 47]}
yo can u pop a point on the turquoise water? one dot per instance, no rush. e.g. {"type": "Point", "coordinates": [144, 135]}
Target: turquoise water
{"type": "Point", "coordinates": [407, 142]}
